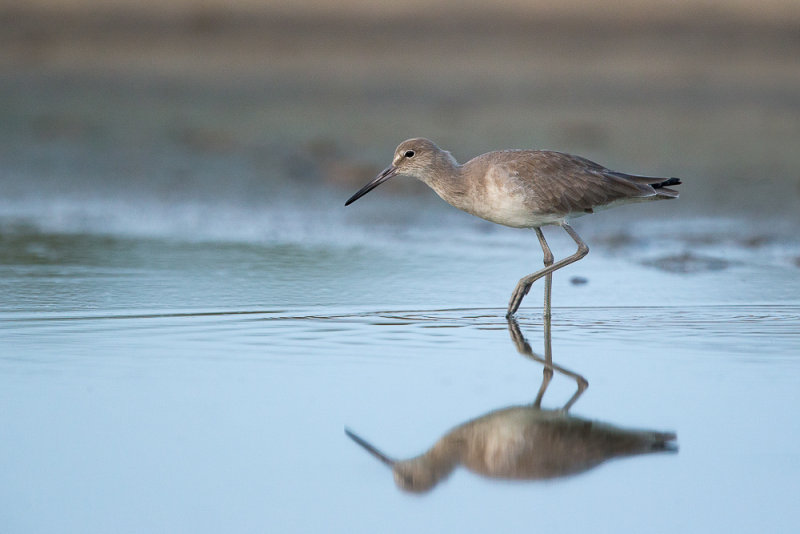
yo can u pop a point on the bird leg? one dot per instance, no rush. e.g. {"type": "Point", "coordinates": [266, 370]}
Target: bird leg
{"type": "Point", "coordinates": [525, 283]}
{"type": "Point", "coordinates": [548, 279]}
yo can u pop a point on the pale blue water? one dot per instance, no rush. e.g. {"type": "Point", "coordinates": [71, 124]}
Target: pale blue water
{"type": "Point", "coordinates": [158, 380]}
{"type": "Point", "coordinates": [190, 317]}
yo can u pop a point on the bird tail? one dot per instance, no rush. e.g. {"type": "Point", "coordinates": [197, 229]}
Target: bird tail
{"type": "Point", "coordinates": [665, 183]}
{"type": "Point", "coordinates": [662, 191]}
{"type": "Point", "coordinates": [661, 185]}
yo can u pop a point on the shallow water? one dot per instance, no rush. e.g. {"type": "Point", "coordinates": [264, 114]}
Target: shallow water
{"type": "Point", "coordinates": [190, 318]}
{"type": "Point", "coordinates": [162, 383]}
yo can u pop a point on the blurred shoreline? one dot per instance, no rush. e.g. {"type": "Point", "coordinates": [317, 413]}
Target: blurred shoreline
{"type": "Point", "coordinates": [622, 10]}
{"type": "Point", "coordinates": [200, 103]}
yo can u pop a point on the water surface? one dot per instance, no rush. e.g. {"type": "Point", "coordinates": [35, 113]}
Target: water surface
{"type": "Point", "coordinates": [180, 384]}
{"type": "Point", "coordinates": [189, 317]}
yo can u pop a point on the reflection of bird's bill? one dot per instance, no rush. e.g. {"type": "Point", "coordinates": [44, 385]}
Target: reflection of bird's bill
{"type": "Point", "coordinates": [368, 446]}
{"type": "Point", "coordinates": [375, 182]}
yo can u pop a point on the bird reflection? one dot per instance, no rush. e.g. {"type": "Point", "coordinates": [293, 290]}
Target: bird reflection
{"type": "Point", "coordinates": [524, 442]}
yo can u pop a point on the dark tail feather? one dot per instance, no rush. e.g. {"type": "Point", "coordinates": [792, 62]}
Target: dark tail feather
{"type": "Point", "coordinates": [666, 183]}
{"type": "Point", "coordinates": [664, 441]}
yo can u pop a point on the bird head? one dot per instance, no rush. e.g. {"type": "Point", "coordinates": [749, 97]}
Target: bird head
{"type": "Point", "coordinates": [416, 157]}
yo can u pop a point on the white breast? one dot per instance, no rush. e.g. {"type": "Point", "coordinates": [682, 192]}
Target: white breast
{"type": "Point", "coordinates": [502, 200]}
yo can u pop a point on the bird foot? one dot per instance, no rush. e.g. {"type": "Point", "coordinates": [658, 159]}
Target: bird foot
{"type": "Point", "coordinates": [519, 293]}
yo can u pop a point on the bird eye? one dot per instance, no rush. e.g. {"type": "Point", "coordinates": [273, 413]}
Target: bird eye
{"type": "Point", "coordinates": [409, 154]}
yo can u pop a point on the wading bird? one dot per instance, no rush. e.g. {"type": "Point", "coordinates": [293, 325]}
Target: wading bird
{"type": "Point", "coordinates": [523, 189]}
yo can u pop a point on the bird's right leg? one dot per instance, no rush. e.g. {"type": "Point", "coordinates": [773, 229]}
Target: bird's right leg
{"type": "Point", "coordinates": [524, 285]}
{"type": "Point", "coordinates": [548, 279]}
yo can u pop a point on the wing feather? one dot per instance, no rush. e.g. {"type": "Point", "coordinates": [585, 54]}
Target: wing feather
{"type": "Point", "coordinates": [563, 184]}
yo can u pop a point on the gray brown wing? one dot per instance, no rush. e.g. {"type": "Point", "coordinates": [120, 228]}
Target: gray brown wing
{"type": "Point", "coordinates": [562, 183]}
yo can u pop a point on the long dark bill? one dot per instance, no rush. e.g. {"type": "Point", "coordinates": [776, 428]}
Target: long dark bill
{"type": "Point", "coordinates": [375, 182]}
{"type": "Point", "coordinates": [368, 446]}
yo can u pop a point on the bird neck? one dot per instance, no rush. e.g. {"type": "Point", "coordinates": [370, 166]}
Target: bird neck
{"type": "Point", "coordinates": [447, 179]}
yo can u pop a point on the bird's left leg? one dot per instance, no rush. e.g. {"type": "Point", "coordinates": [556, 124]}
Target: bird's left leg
{"type": "Point", "coordinates": [524, 285]}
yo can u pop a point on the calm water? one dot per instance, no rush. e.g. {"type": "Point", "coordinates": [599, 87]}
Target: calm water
{"type": "Point", "coordinates": [159, 380]}
{"type": "Point", "coordinates": [190, 318]}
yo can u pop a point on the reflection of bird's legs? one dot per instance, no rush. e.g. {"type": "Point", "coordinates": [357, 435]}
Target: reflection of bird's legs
{"type": "Point", "coordinates": [547, 371]}
{"type": "Point", "coordinates": [524, 348]}
{"type": "Point", "coordinates": [582, 385]}
{"type": "Point", "coordinates": [547, 375]}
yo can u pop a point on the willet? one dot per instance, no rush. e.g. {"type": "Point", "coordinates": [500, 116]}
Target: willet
{"type": "Point", "coordinates": [523, 189]}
